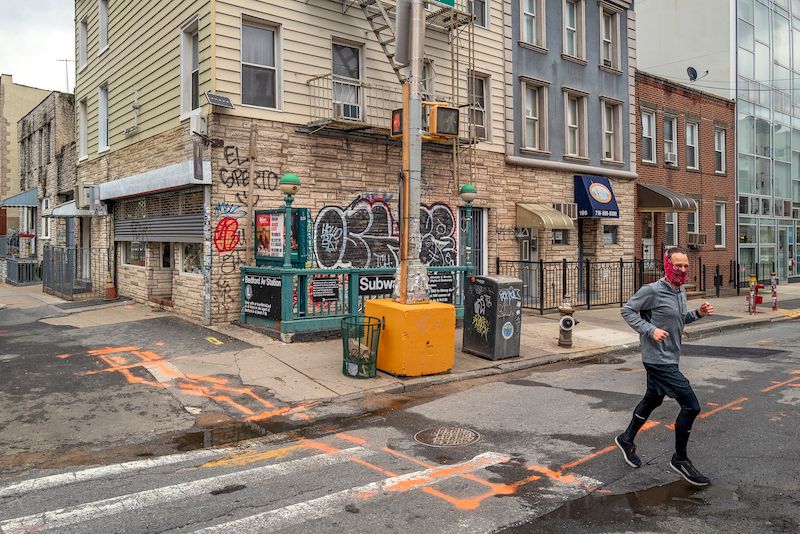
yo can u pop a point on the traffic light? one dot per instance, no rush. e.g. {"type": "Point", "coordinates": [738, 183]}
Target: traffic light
{"type": "Point", "coordinates": [443, 119]}
{"type": "Point", "coordinates": [397, 124]}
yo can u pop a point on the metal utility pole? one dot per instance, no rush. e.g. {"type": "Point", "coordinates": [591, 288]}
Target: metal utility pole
{"type": "Point", "coordinates": [412, 285]}
{"type": "Point", "coordinates": [66, 70]}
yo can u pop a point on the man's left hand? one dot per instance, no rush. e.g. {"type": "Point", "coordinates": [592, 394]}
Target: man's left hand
{"type": "Point", "coordinates": [706, 309]}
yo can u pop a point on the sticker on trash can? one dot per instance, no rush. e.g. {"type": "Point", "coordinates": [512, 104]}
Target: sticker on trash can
{"type": "Point", "coordinates": [508, 330]}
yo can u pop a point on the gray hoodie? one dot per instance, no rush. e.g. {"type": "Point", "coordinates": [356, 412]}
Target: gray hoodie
{"type": "Point", "coordinates": [659, 305]}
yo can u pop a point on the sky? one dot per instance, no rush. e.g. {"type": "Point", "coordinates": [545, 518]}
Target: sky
{"type": "Point", "coordinates": [34, 35]}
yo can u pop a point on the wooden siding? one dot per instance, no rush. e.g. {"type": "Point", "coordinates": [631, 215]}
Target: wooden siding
{"type": "Point", "coordinates": [144, 55]}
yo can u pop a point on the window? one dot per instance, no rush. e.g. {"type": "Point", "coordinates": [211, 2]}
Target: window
{"type": "Point", "coordinates": [478, 101]}
{"type": "Point", "coordinates": [45, 234]}
{"type": "Point", "coordinates": [347, 81]}
{"type": "Point", "coordinates": [612, 137]}
{"type": "Point", "coordinates": [671, 229]}
{"type": "Point", "coordinates": [134, 253]}
{"type": "Point", "coordinates": [610, 233]}
{"type": "Point", "coordinates": [575, 125]}
{"type": "Point", "coordinates": [103, 14]}
{"type": "Point", "coordinates": [719, 150]}
{"type": "Point", "coordinates": [573, 28]}
{"type": "Point", "coordinates": [478, 7]}
{"type": "Point", "coordinates": [719, 224]}
{"type": "Point", "coordinates": [534, 106]}
{"type": "Point", "coordinates": [166, 255]}
{"type": "Point", "coordinates": [609, 39]}
{"type": "Point", "coordinates": [560, 237]}
{"type": "Point", "coordinates": [692, 220]}
{"type": "Point", "coordinates": [190, 67]}
{"type": "Point", "coordinates": [648, 136]}
{"type": "Point", "coordinates": [192, 258]}
{"type": "Point", "coordinates": [533, 26]}
{"type": "Point", "coordinates": [83, 114]}
{"type": "Point", "coordinates": [670, 140]}
{"type": "Point", "coordinates": [83, 31]}
{"type": "Point", "coordinates": [691, 145]}
{"type": "Point", "coordinates": [102, 118]}
{"type": "Point", "coordinates": [46, 142]}
{"type": "Point", "coordinates": [259, 66]}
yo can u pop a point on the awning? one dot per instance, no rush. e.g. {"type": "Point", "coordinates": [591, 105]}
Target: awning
{"type": "Point", "coordinates": [68, 209]}
{"type": "Point", "coordinates": [541, 216]}
{"type": "Point", "coordinates": [653, 197]}
{"type": "Point", "coordinates": [163, 179]}
{"type": "Point", "coordinates": [595, 197]}
{"type": "Point", "coordinates": [26, 199]}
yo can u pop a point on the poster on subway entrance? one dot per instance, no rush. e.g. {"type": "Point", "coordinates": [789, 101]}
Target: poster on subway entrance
{"type": "Point", "coordinates": [269, 234]}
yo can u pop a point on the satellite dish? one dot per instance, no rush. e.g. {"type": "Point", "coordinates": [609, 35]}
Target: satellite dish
{"type": "Point", "coordinates": [692, 72]}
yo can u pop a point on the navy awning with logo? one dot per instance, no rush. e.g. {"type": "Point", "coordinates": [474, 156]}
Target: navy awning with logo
{"type": "Point", "coordinates": [595, 197]}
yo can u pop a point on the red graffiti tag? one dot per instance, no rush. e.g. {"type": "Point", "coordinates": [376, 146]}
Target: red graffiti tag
{"type": "Point", "coordinates": [226, 235]}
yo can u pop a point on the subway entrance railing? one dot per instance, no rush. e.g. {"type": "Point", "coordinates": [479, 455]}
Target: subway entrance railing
{"type": "Point", "coordinates": [290, 301]}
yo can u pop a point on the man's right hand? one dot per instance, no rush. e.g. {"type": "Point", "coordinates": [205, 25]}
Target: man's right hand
{"type": "Point", "coordinates": [659, 335]}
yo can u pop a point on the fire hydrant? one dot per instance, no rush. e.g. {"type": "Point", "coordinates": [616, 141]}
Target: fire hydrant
{"type": "Point", "coordinates": [567, 323]}
{"type": "Point", "coordinates": [774, 284]}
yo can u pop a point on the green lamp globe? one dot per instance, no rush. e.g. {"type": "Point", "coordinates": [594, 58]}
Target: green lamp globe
{"type": "Point", "coordinates": [468, 192]}
{"type": "Point", "coordinates": [289, 183]}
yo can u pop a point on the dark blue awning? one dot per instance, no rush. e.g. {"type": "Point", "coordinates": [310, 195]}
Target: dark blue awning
{"type": "Point", "coordinates": [26, 199]}
{"type": "Point", "coordinates": [595, 197]}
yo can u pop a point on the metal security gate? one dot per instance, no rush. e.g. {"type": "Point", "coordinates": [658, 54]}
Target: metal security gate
{"type": "Point", "coordinates": [75, 273]}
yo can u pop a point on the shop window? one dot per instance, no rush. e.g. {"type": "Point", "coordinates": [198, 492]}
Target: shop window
{"type": "Point", "coordinates": [192, 258]}
{"type": "Point", "coordinates": [610, 234]}
{"type": "Point", "coordinates": [134, 253]}
{"type": "Point", "coordinates": [560, 237]}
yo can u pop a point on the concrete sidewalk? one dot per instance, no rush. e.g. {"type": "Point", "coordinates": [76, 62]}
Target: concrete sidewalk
{"type": "Point", "coordinates": [312, 371]}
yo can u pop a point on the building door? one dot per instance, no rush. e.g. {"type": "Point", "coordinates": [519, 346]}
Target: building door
{"type": "Point", "coordinates": [783, 253]}
{"type": "Point", "coordinates": [478, 239]}
{"type": "Point", "coordinates": [85, 249]}
{"type": "Point", "coordinates": [648, 244]}
{"type": "Point", "coordinates": [529, 268]}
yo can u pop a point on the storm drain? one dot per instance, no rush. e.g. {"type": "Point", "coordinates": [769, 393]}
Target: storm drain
{"type": "Point", "coordinates": [606, 360]}
{"type": "Point", "coordinates": [447, 436]}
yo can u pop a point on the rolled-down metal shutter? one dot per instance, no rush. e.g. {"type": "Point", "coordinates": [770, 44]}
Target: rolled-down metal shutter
{"type": "Point", "coordinates": [173, 216]}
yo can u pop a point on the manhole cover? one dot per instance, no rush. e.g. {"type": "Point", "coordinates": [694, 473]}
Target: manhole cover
{"type": "Point", "coordinates": [447, 436]}
{"type": "Point", "coordinates": [607, 360]}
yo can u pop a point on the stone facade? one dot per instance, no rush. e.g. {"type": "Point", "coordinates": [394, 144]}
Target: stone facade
{"type": "Point", "coordinates": [667, 99]}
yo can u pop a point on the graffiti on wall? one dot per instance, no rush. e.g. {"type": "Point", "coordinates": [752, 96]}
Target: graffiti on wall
{"type": "Point", "coordinates": [236, 175]}
{"type": "Point", "coordinates": [365, 234]}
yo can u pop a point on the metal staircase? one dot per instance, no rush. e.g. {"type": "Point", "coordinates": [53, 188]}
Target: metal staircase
{"type": "Point", "coordinates": [378, 14]}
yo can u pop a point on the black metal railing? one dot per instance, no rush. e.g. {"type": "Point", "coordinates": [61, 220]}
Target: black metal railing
{"type": "Point", "coordinates": [75, 273]}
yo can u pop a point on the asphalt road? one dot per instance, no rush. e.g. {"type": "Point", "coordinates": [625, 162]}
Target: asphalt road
{"type": "Point", "coordinates": [542, 460]}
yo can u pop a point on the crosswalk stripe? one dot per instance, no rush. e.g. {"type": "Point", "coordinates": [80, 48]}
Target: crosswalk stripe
{"type": "Point", "coordinates": [63, 479]}
{"type": "Point", "coordinates": [126, 503]}
{"type": "Point", "coordinates": [330, 504]}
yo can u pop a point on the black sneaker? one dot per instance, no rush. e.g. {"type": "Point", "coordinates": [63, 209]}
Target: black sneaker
{"type": "Point", "coordinates": [689, 472]}
{"type": "Point", "coordinates": [628, 451]}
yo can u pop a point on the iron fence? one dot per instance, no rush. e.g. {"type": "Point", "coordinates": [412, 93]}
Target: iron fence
{"type": "Point", "coordinates": [75, 273]}
{"type": "Point", "coordinates": [3, 246]}
{"type": "Point", "coordinates": [23, 272]}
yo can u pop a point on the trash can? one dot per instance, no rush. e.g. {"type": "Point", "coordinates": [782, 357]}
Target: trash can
{"type": "Point", "coordinates": [360, 335]}
{"type": "Point", "coordinates": [492, 316]}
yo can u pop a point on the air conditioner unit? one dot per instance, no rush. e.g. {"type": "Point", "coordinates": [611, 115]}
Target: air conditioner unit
{"type": "Point", "coordinates": [607, 63]}
{"type": "Point", "coordinates": [796, 213]}
{"type": "Point", "coordinates": [346, 112]}
{"type": "Point", "coordinates": [198, 124]}
{"type": "Point", "coordinates": [671, 158]}
{"type": "Point", "coordinates": [83, 195]}
{"type": "Point", "coordinates": [695, 240]}
{"type": "Point", "coordinates": [570, 209]}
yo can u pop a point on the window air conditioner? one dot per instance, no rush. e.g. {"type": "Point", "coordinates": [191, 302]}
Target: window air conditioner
{"type": "Point", "coordinates": [346, 112]}
{"type": "Point", "coordinates": [82, 195]}
{"type": "Point", "coordinates": [671, 158]}
{"type": "Point", "coordinates": [695, 240]}
{"type": "Point", "coordinates": [570, 209]}
{"type": "Point", "coordinates": [607, 63]}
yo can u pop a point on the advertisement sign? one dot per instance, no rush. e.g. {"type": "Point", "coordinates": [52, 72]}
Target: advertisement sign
{"type": "Point", "coordinates": [262, 296]}
{"type": "Point", "coordinates": [442, 287]}
{"type": "Point", "coordinates": [325, 288]}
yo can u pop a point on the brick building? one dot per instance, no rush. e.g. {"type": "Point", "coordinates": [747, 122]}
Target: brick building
{"type": "Point", "coordinates": [686, 191]}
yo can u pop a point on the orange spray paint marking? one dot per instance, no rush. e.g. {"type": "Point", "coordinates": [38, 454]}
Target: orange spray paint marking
{"type": "Point", "coordinates": [352, 439]}
{"type": "Point", "coordinates": [776, 385]}
{"type": "Point", "coordinates": [112, 350]}
{"type": "Point", "coordinates": [712, 404]}
{"type": "Point", "coordinates": [244, 458]}
{"type": "Point", "coordinates": [723, 407]}
{"type": "Point", "coordinates": [467, 476]}
{"type": "Point", "coordinates": [62, 356]}
{"type": "Point", "coordinates": [441, 472]}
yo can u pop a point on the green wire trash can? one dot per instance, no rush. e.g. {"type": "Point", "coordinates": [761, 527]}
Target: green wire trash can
{"type": "Point", "coordinates": [360, 335]}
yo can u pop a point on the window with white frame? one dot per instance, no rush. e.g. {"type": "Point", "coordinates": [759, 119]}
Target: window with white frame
{"type": "Point", "coordinates": [691, 145]}
{"type": "Point", "coordinates": [190, 67]}
{"type": "Point", "coordinates": [134, 253]}
{"type": "Point", "coordinates": [573, 28]}
{"type": "Point", "coordinates": [83, 32]}
{"type": "Point", "coordinates": [670, 140]}
{"type": "Point", "coordinates": [83, 129]}
{"type": "Point", "coordinates": [260, 75]}
{"type": "Point", "coordinates": [693, 220]}
{"type": "Point", "coordinates": [609, 38]}
{"type": "Point", "coordinates": [347, 74]}
{"type": "Point", "coordinates": [480, 9]}
{"type": "Point", "coordinates": [719, 224]}
{"type": "Point", "coordinates": [478, 98]}
{"type": "Point", "coordinates": [575, 125]}
{"type": "Point", "coordinates": [103, 16]}
{"type": "Point", "coordinates": [102, 117]}
{"type": "Point", "coordinates": [719, 150]}
{"type": "Point", "coordinates": [535, 109]}
{"type": "Point", "coordinates": [612, 135]}
{"type": "Point", "coordinates": [192, 258]}
{"type": "Point", "coordinates": [560, 237]}
{"type": "Point", "coordinates": [532, 18]}
{"type": "Point", "coordinates": [45, 234]}
{"type": "Point", "coordinates": [671, 229]}
{"type": "Point", "coordinates": [649, 136]}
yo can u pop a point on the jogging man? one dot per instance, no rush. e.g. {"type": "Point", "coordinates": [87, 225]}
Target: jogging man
{"type": "Point", "coordinates": [659, 312]}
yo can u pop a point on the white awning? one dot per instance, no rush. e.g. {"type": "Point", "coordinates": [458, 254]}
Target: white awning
{"type": "Point", "coordinates": [68, 209]}
{"type": "Point", "coordinates": [163, 179]}
{"type": "Point", "coordinates": [541, 216]}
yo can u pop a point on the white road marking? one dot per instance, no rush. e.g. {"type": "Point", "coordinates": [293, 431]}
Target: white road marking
{"type": "Point", "coordinates": [159, 496]}
{"type": "Point", "coordinates": [330, 504]}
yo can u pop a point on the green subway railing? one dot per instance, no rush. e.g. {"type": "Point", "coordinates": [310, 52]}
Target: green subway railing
{"type": "Point", "coordinates": [316, 300]}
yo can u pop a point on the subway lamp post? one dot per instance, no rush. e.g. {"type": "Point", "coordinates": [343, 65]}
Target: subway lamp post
{"type": "Point", "coordinates": [468, 193]}
{"type": "Point", "coordinates": [289, 184]}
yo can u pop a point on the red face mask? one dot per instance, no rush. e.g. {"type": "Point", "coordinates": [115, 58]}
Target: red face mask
{"type": "Point", "coordinates": [674, 276]}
